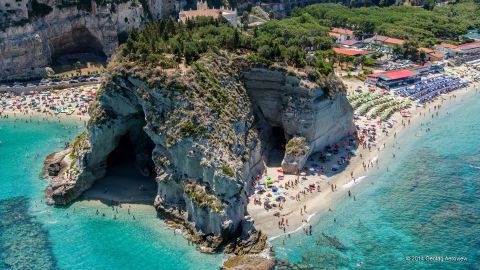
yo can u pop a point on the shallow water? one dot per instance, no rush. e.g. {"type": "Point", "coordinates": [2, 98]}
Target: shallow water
{"type": "Point", "coordinates": [36, 236]}
{"type": "Point", "coordinates": [426, 204]}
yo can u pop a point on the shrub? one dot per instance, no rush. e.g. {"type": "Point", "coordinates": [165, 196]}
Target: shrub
{"type": "Point", "coordinates": [297, 147]}
{"type": "Point", "coordinates": [228, 171]}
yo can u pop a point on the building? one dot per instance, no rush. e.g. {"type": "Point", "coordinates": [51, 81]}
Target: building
{"type": "Point", "coordinates": [448, 49]}
{"type": "Point", "coordinates": [395, 78]}
{"type": "Point", "coordinates": [432, 55]}
{"type": "Point", "coordinates": [468, 48]}
{"type": "Point", "coordinates": [341, 34]}
{"type": "Point", "coordinates": [426, 50]}
{"type": "Point", "coordinates": [354, 53]}
{"type": "Point", "coordinates": [390, 79]}
{"type": "Point", "coordinates": [473, 34]}
{"type": "Point", "coordinates": [436, 56]}
{"type": "Point", "coordinates": [202, 10]}
{"type": "Point", "coordinates": [386, 41]}
{"type": "Point", "coordinates": [351, 43]}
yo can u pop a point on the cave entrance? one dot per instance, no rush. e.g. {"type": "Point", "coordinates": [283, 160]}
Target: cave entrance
{"type": "Point", "coordinates": [77, 49]}
{"type": "Point", "coordinates": [277, 147]}
{"type": "Point", "coordinates": [130, 176]}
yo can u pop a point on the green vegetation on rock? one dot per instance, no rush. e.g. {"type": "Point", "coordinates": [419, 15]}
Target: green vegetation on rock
{"type": "Point", "coordinates": [190, 130]}
{"type": "Point", "coordinates": [228, 171]}
{"type": "Point", "coordinates": [296, 147]}
{"type": "Point", "coordinates": [201, 197]}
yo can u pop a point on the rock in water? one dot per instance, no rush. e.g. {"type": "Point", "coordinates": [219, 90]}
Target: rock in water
{"type": "Point", "coordinates": [211, 128]}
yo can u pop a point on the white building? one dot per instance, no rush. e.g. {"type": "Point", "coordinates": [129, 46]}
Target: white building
{"type": "Point", "coordinates": [202, 10]}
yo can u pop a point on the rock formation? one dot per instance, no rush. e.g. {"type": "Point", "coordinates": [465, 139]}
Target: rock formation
{"type": "Point", "coordinates": [29, 43]}
{"type": "Point", "coordinates": [205, 134]}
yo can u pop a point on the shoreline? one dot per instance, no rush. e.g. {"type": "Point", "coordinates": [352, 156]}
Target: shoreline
{"type": "Point", "coordinates": [38, 116]}
{"type": "Point", "coordinates": [317, 203]}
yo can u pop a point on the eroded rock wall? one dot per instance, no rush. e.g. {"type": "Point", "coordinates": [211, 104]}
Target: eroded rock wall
{"type": "Point", "coordinates": [209, 126]}
{"type": "Point", "coordinates": [26, 49]}
{"type": "Point", "coordinates": [301, 108]}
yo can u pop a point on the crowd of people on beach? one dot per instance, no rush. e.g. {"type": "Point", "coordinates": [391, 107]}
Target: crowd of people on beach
{"type": "Point", "coordinates": [68, 101]}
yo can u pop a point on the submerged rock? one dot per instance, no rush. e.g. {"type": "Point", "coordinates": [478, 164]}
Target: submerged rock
{"type": "Point", "coordinates": [24, 242]}
{"type": "Point", "coordinates": [211, 128]}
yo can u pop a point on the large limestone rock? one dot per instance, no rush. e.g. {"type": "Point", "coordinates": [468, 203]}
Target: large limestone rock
{"type": "Point", "coordinates": [302, 109]}
{"type": "Point", "coordinates": [27, 48]}
{"type": "Point", "coordinates": [210, 127]}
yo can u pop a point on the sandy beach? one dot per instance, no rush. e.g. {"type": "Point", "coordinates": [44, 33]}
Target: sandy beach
{"type": "Point", "coordinates": [295, 215]}
{"type": "Point", "coordinates": [54, 105]}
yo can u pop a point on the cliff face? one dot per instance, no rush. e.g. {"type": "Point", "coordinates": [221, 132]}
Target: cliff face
{"type": "Point", "coordinates": [27, 48]}
{"type": "Point", "coordinates": [210, 128]}
{"type": "Point", "coordinates": [302, 109]}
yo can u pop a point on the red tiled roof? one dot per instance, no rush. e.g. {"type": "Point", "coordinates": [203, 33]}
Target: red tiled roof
{"type": "Point", "coordinates": [379, 38]}
{"type": "Point", "coordinates": [351, 52]}
{"type": "Point", "coordinates": [395, 41]}
{"type": "Point", "coordinates": [389, 40]}
{"type": "Point", "coordinates": [426, 50]}
{"type": "Point", "coordinates": [335, 35]}
{"type": "Point", "coordinates": [342, 31]}
{"type": "Point", "coordinates": [469, 46]}
{"type": "Point", "coordinates": [394, 74]}
{"type": "Point", "coordinates": [437, 55]}
{"type": "Point", "coordinates": [446, 45]}
{"type": "Point", "coordinates": [399, 74]}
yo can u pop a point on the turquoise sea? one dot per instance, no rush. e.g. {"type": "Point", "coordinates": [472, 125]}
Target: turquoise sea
{"type": "Point", "coordinates": [426, 205]}
{"type": "Point", "coordinates": [36, 236]}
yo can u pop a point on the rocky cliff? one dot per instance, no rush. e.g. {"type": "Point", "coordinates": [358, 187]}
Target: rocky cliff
{"type": "Point", "coordinates": [56, 27]}
{"type": "Point", "coordinates": [205, 134]}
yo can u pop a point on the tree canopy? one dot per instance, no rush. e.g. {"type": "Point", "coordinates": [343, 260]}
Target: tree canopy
{"type": "Point", "coordinates": [426, 26]}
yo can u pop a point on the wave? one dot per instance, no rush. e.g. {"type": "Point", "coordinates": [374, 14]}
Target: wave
{"type": "Point", "coordinates": [52, 222]}
{"type": "Point", "coordinates": [354, 182]}
{"type": "Point", "coordinates": [473, 166]}
{"type": "Point", "coordinates": [296, 230]}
